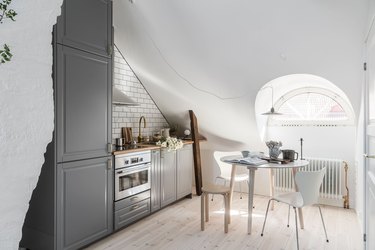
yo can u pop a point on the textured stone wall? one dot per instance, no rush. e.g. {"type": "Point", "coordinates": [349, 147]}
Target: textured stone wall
{"type": "Point", "coordinates": [26, 110]}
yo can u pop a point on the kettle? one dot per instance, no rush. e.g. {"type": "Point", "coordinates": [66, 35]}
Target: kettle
{"type": "Point", "coordinates": [165, 132]}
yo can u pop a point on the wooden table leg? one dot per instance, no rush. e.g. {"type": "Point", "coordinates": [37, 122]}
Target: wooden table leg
{"type": "Point", "coordinates": [250, 198]}
{"type": "Point", "coordinates": [300, 214]}
{"type": "Point", "coordinates": [231, 186]}
{"type": "Point", "coordinates": [272, 186]}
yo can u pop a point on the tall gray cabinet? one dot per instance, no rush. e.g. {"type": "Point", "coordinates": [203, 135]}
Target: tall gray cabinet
{"type": "Point", "coordinates": [72, 205]}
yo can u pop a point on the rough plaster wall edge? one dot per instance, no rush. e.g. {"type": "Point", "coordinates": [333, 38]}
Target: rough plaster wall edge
{"type": "Point", "coordinates": [27, 111]}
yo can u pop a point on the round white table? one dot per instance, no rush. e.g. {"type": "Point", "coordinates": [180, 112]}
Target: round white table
{"type": "Point", "coordinates": [293, 165]}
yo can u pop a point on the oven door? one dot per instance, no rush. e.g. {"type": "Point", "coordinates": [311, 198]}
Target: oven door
{"type": "Point", "coordinates": [132, 180]}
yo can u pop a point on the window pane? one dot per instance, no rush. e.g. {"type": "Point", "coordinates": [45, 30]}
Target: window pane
{"type": "Point", "coordinates": [311, 107]}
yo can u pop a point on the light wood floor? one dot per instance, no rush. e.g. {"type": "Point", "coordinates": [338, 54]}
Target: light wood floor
{"type": "Point", "coordinates": [178, 227]}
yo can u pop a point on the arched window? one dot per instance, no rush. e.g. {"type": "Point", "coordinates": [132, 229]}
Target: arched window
{"type": "Point", "coordinates": [312, 107]}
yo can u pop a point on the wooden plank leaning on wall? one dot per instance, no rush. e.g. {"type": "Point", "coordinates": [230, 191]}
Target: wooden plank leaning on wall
{"type": "Point", "coordinates": [196, 152]}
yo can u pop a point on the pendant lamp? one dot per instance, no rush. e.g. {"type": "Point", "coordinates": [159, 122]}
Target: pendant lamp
{"type": "Point", "coordinates": [272, 110]}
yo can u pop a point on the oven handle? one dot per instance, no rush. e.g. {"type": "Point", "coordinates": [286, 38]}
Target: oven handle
{"type": "Point", "coordinates": [131, 170]}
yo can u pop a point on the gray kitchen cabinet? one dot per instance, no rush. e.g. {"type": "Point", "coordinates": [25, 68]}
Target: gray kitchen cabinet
{"type": "Point", "coordinates": [72, 205]}
{"type": "Point", "coordinates": [184, 171]}
{"type": "Point", "coordinates": [86, 25]}
{"type": "Point", "coordinates": [155, 180]}
{"type": "Point", "coordinates": [168, 177]}
{"type": "Point", "coordinates": [83, 104]}
{"type": "Point", "coordinates": [84, 202]}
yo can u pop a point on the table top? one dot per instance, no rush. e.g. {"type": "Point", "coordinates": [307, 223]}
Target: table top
{"type": "Point", "coordinates": [293, 164]}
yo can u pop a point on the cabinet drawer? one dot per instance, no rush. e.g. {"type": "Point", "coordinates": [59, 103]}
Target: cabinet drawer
{"type": "Point", "coordinates": [131, 200]}
{"type": "Point", "coordinates": [128, 215]}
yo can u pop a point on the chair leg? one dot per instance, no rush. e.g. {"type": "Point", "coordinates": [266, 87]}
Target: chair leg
{"type": "Point", "coordinates": [202, 210]}
{"type": "Point", "coordinates": [288, 216]}
{"type": "Point", "coordinates": [226, 212]}
{"type": "Point", "coordinates": [324, 226]}
{"type": "Point", "coordinates": [206, 207]}
{"type": "Point", "coordinates": [212, 196]}
{"type": "Point", "coordinates": [295, 216]}
{"type": "Point", "coordinates": [229, 199]}
{"type": "Point", "coordinates": [240, 189]}
{"type": "Point", "coordinates": [265, 218]}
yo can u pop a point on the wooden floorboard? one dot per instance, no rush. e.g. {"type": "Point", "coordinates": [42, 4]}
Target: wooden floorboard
{"type": "Point", "coordinates": [178, 227]}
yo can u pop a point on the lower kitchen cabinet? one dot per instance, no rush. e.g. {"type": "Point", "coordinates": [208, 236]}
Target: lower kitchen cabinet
{"type": "Point", "coordinates": [131, 209]}
{"type": "Point", "coordinates": [84, 202]}
{"type": "Point", "coordinates": [168, 177]}
{"type": "Point", "coordinates": [171, 176]}
{"type": "Point", "coordinates": [184, 171]}
{"type": "Point", "coordinates": [155, 180]}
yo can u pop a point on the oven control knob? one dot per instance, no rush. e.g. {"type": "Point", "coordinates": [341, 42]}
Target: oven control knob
{"type": "Point", "coordinates": [141, 159]}
{"type": "Point", "coordinates": [126, 161]}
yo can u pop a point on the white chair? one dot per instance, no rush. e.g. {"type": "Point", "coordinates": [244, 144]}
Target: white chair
{"type": "Point", "coordinates": [242, 174]}
{"type": "Point", "coordinates": [308, 184]}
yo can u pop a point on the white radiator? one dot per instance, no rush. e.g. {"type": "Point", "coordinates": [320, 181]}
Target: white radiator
{"type": "Point", "coordinates": [332, 186]}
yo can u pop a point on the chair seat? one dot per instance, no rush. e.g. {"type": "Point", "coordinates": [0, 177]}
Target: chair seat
{"type": "Point", "coordinates": [237, 177]}
{"type": "Point", "coordinates": [215, 189]}
{"type": "Point", "coordinates": [294, 199]}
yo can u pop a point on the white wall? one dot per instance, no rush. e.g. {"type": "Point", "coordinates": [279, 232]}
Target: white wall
{"type": "Point", "coordinates": [213, 56]}
{"type": "Point", "coordinates": [26, 110]}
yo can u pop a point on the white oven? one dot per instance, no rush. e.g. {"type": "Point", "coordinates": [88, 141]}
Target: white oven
{"type": "Point", "coordinates": [132, 174]}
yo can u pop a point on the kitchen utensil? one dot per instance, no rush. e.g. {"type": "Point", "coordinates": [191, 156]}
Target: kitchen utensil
{"type": "Point", "coordinates": [120, 142]}
{"type": "Point", "coordinates": [127, 134]}
{"type": "Point", "coordinates": [165, 132]}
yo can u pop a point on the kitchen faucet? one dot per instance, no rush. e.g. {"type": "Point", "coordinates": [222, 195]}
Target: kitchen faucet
{"type": "Point", "coordinates": [140, 133]}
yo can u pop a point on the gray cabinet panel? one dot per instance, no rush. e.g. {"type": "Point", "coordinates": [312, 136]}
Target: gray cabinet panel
{"type": "Point", "coordinates": [168, 177]}
{"type": "Point", "coordinates": [155, 180]}
{"type": "Point", "coordinates": [84, 202]}
{"type": "Point", "coordinates": [86, 25]}
{"type": "Point", "coordinates": [184, 171]}
{"type": "Point", "coordinates": [130, 214]}
{"type": "Point", "coordinates": [83, 112]}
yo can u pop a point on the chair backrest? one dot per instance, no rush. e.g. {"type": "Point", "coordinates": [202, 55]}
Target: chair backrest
{"type": "Point", "coordinates": [308, 184]}
{"type": "Point", "coordinates": [225, 168]}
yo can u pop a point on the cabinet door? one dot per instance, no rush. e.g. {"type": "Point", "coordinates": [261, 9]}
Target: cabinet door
{"type": "Point", "coordinates": [86, 25]}
{"type": "Point", "coordinates": [155, 180]}
{"type": "Point", "coordinates": [168, 177]}
{"type": "Point", "coordinates": [184, 171]}
{"type": "Point", "coordinates": [83, 104]}
{"type": "Point", "coordinates": [84, 202]}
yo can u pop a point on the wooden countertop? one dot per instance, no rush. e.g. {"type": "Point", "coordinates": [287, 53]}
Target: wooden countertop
{"type": "Point", "coordinates": [143, 147]}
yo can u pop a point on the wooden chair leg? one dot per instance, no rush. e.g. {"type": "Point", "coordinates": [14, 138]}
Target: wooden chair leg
{"type": "Point", "coordinates": [206, 207]}
{"type": "Point", "coordinates": [202, 210]}
{"type": "Point", "coordinates": [229, 199]}
{"type": "Point", "coordinates": [226, 213]}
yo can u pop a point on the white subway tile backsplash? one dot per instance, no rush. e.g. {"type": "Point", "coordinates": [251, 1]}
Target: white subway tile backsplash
{"type": "Point", "coordinates": [124, 116]}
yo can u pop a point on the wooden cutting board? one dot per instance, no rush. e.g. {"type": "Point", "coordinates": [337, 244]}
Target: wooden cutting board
{"type": "Point", "coordinates": [127, 134]}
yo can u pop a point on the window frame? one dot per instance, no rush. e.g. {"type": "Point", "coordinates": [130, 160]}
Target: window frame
{"type": "Point", "coordinates": [322, 91]}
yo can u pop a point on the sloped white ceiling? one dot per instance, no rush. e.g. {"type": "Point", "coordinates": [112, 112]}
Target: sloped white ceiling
{"type": "Point", "coordinates": [213, 56]}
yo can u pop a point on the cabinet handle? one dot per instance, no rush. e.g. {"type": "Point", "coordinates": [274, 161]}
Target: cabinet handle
{"type": "Point", "coordinates": [369, 156]}
{"type": "Point", "coordinates": [109, 164]}
{"type": "Point", "coordinates": [134, 198]}
{"type": "Point", "coordinates": [135, 207]}
{"type": "Point", "coordinates": [109, 147]}
{"type": "Point", "coordinates": [109, 49]}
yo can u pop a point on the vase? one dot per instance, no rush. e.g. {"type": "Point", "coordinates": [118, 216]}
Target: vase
{"type": "Point", "coordinates": [274, 153]}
